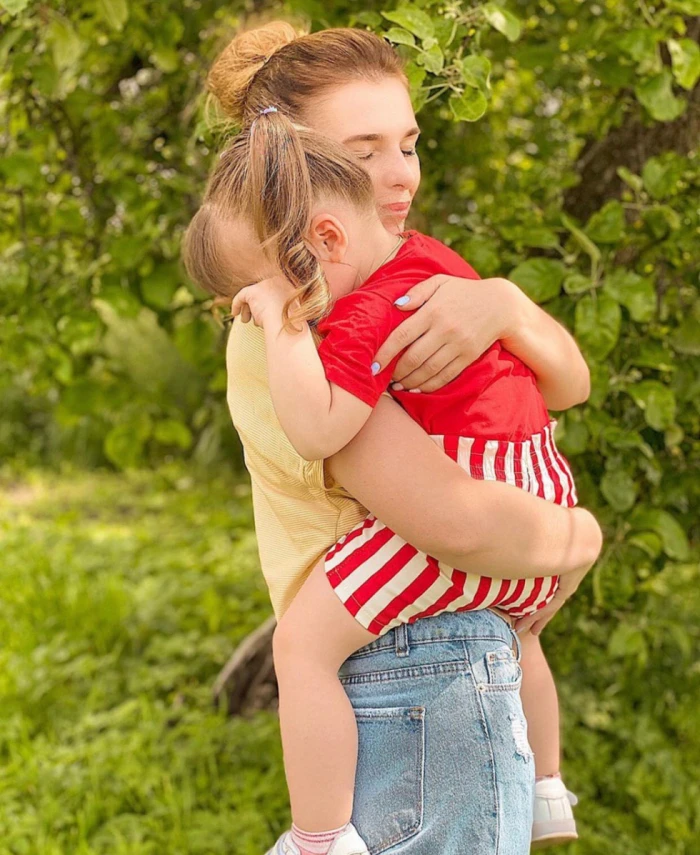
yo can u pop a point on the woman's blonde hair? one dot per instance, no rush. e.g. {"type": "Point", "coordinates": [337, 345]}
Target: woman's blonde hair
{"type": "Point", "coordinates": [278, 64]}
{"type": "Point", "coordinates": [270, 175]}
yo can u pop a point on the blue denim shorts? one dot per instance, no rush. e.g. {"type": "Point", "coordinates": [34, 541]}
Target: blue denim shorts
{"type": "Point", "coordinates": [444, 764]}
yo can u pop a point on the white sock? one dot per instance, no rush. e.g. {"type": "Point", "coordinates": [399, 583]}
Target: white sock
{"type": "Point", "coordinates": [316, 842]}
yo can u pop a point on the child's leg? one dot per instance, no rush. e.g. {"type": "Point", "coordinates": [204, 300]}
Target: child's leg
{"type": "Point", "coordinates": [319, 732]}
{"type": "Point", "coordinates": [541, 706]}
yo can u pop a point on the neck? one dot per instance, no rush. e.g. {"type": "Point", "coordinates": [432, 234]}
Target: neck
{"type": "Point", "coordinates": [380, 246]}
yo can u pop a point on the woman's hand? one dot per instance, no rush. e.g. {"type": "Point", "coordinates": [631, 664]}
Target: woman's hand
{"type": "Point", "coordinates": [457, 320]}
{"type": "Point", "coordinates": [589, 533]}
{"type": "Point", "coordinates": [538, 621]}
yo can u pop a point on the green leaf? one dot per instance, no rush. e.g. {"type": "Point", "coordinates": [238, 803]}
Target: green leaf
{"type": "Point", "coordinates": [634, 292]}
{"type": "Point", "coordinates": [627, 641]}
{"type": "Point", "coordinates": [124, 443]}
{"type": "Point", "coordinates": [82, 398]}
{"type": "Point", "coordinates": [167, 59]}
{"type": "Point", "coordinates": [433, 59]}
{"type": "Point", "coordinates": [640, 43]}
{"type": "Point", "coordinates": [661, 177]}
{"type": "Point", "coordinates": [657, 401]}
{"type": "Point", "coordinates": [400, 37]}
{"type": "Point", "coordinates": [540, 278]}
{"type": "Point", "coordinates": [690, 7]}
{"type": "Point", "coordinates": [648, 542]}
{"type": "Point", "coordinates": [577, 283]}
{"type": "Point", "coordinates": [686, 339]}
{"type": "Point", "coordinates": [685, 56]}
{"type": "Point", "coordinates": [582, 240]}
{"type": "Point", "coordinates": [673, 537]}
{"type": "Point", "coordinates": [172, 432]}
{"type": "Point", "coordinates": [414, 20]}
{"type": "Point", "coordinates": [482, 252]}
{"type": "Point", "coordinates": [468, 107]}
{"type": "Point", "coordinates": [572, 434]}
{"type": "Point", "coordinates": [597, 324]}
{"type": "Point", "coordinates": [158, 288]}
{"type": "Point", "coordinates": [600, 384]}
{"type": "Point", "coordinates": [114, 12]}
{"type": "Point", "coordinates": [21, 168]}
{"type": "Point", "coordinates": [14, 7]}
{"type": "Point", "coordinates": [121, 299]}
{"type": "Point", "coordinates": [608, 224]}
{"type": "Point", "coordinates": [618, 437]}
{"type": "Point", "coordinates": [502, 20]}
{"type": "Point", "coordinates": [65, 43]}
{"type": "Point", "coordinates": [619, 489]}
{"type": "Point", "coordinates": [476, 72]}
{"type": "Point", "coordinates": [630, 179]}
{"type": "Point", "coordinates": [652, 354]}
{"type": "Point", "coordinates": [415, 75]}
{"type": "Point", "coordinates": [656, 95]}
{"type": "Point", "coordinates": [525, 234]}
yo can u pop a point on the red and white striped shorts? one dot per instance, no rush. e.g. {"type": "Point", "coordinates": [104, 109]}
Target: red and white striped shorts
{"type": "Point", "coordinates": [384, 581]}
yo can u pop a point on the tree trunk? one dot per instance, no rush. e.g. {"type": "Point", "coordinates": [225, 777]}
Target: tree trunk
{"type": "Point", "coordinates": [247, 683]}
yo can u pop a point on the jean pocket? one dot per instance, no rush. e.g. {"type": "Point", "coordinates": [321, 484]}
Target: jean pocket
{"type": "Point", "coordinates": [495, 667]}
{"type": "Point", "coordinates": [388, 806]}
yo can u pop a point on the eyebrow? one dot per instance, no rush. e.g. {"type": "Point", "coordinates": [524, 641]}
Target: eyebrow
{"type": "Point", "coordinates": [377, 137]}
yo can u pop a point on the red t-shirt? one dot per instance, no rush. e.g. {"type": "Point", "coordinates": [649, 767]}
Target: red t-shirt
{"type": "Point", "coordinates": [495, 397]}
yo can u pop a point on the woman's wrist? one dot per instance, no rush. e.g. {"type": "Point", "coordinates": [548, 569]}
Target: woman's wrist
{"type": "Point", "coordinates": [517, 313]}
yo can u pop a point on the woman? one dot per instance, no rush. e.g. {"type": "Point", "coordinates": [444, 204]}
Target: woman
{"type": "Point", "coordinates": [349, 85]}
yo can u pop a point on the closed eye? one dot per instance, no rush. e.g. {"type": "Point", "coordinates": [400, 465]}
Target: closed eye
{"type": "Point", "coordinates": [410, 153]}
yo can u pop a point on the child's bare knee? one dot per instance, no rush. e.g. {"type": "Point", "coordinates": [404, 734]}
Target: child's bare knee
{"type": "Point", "coordinates": [287, 645]}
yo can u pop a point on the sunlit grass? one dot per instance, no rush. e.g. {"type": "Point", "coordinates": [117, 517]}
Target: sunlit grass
{"type": "Point", "coordinates": [122, 598]}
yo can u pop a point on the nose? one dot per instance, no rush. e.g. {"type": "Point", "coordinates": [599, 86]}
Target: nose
{"type": "Point", "coordinates": [399, 171]}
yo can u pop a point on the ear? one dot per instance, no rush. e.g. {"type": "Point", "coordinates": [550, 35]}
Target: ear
{"type": "Point", "coordinates": [327, 238]}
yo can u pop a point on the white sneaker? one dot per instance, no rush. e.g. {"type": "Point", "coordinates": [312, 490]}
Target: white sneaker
{"type": "Point", "coordinates": [554, 821]}
{"type": "Point", "coordinates": [348, 843]}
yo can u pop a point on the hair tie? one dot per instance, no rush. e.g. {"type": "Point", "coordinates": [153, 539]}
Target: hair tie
{"type": "Point", "coordinates": [269, 110]}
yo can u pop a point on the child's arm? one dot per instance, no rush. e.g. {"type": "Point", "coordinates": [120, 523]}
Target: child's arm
{"type": "Point", "coordinates": [318, 417]}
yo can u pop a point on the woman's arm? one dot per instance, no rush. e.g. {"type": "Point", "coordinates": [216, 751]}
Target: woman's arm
{"type": "Point", "coordinates": [399, 474]}
{"type": "Point", "coordinates": [458, 319]}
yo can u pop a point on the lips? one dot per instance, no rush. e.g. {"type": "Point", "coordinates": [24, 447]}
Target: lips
{"type": "Point", "coordinates": [399, 207]}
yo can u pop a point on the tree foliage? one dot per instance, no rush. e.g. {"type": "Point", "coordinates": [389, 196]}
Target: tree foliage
{"type": "Point", "coordinates": [559, 149]}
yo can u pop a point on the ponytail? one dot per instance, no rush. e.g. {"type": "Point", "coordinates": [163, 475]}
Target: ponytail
{"type": "Point", "coordinates": [281, 197]}
{"type": "Point", "coordinates": [271, 174]}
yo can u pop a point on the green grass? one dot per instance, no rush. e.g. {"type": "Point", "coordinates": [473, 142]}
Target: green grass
{"type": "Point", "coordinates": [122, 596]}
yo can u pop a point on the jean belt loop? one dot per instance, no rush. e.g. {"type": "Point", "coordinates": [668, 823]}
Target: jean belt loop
{"type": "Point", "coordinates": [517, 645]}
{"type": "Point", "coordinates": [401, 636]}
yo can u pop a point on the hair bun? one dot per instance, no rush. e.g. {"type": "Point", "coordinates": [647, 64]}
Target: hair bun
{"type": "Point", "coordinates": [233, 70]}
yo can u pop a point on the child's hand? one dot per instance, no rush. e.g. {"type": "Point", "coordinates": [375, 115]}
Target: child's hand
{"type": "Point", "coordinates": [262, 301]}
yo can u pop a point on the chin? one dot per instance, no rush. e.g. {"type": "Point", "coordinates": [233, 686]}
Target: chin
{"type": "Point", "coordinates": [393, 225]}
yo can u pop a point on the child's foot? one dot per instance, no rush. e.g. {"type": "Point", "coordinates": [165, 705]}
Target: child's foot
{"type": "Point", "coordinates": [348, 842]}
{"type": "Point", "coordinates": [554, 821]}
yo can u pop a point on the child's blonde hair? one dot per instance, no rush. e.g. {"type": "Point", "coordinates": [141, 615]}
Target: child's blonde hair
{"type": "Point", "coordinates": [271, 175]}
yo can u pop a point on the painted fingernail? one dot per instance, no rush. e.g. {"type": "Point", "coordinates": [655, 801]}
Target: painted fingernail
{"type": "Point", "coordinates": [375, 368]}
{"type": "Point", "coordinates": [402, 301]}
{"type": "Point", "coordinates": [397, 387]}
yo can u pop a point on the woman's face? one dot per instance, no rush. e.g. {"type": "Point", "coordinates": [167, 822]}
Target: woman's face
{"type": "Point", "coordinates": [377, 123]}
